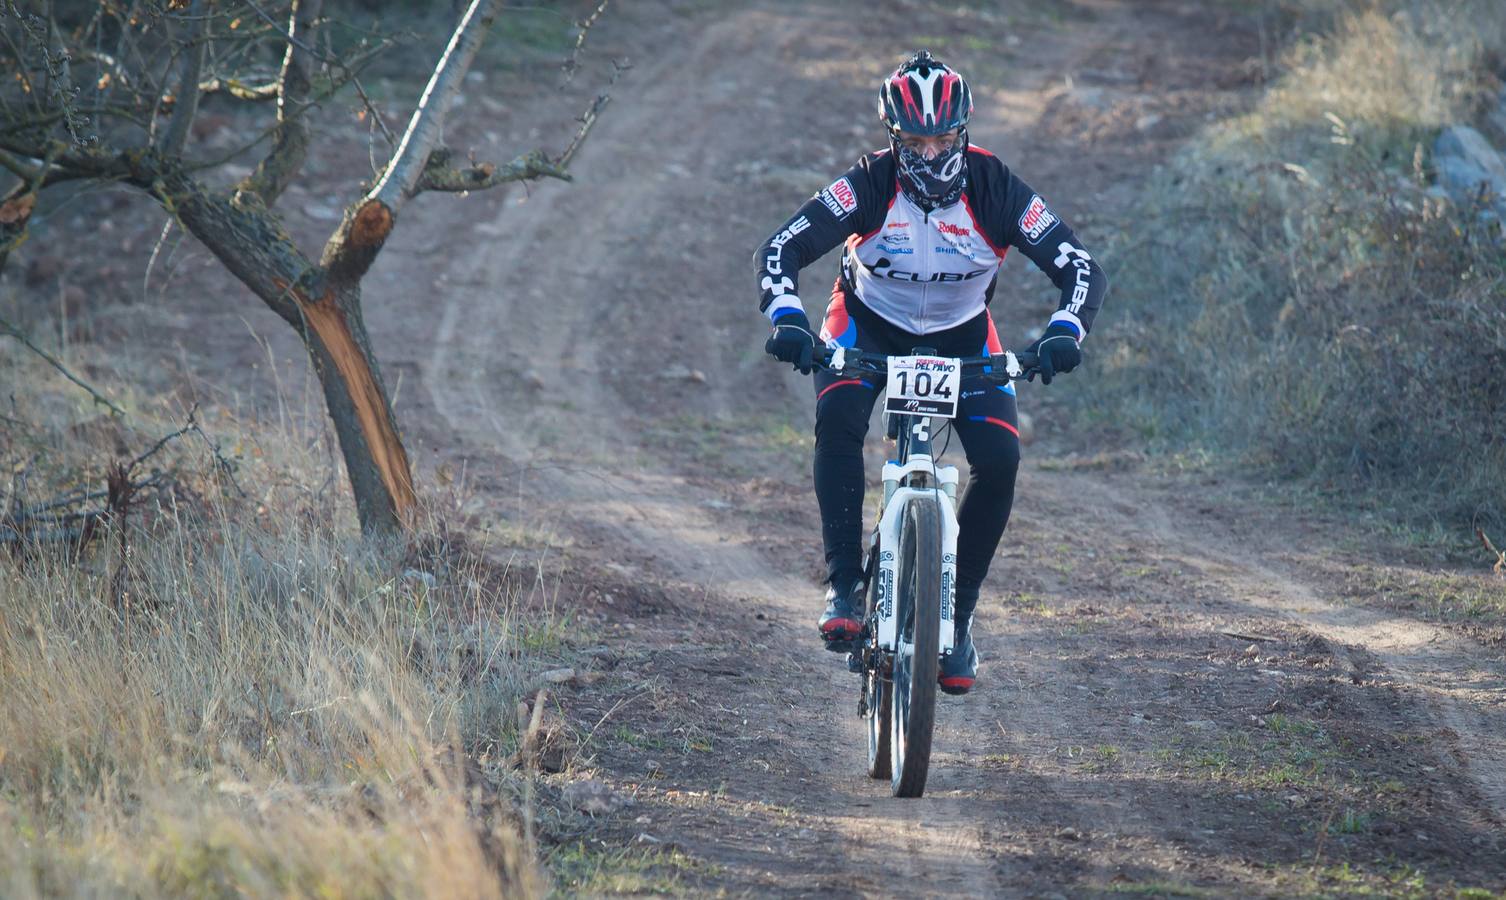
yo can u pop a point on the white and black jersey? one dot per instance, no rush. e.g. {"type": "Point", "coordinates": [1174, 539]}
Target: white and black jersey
{"type": "Point", "coordinates": [926, 272]}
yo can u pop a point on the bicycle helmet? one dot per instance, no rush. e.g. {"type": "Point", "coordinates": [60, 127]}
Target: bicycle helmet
{"type": "Point", "coordinates": [925, 96]}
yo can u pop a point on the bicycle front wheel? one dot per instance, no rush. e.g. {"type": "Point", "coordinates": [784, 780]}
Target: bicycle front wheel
{"type": "Point", "coordinates": [916, 657]}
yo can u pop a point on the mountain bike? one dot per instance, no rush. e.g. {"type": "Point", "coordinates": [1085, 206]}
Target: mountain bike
{"type": "Point", "coordinates": [911, 564]}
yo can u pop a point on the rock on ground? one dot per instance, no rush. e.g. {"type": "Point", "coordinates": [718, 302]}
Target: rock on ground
{"type": "Point", "coordinates": [1465, 160]}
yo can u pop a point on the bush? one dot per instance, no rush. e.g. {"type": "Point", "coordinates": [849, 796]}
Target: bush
{"type": "Point", "coordinates": [229, 695]}
{"type": "Point", "coordinates": [1305, 303]}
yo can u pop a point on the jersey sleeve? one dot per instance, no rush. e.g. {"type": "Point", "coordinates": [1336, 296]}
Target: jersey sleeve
{"type": "Point", "coordinates": [1018, 217]}
{"type": "Point", "coordinates": [845, 207]}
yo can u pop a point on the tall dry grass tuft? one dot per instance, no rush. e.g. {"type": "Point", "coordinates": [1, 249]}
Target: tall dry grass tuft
{"type": "Point", "coordinates": [1304, 302]}
{"type": "Point", "coordinates": [272, 709]}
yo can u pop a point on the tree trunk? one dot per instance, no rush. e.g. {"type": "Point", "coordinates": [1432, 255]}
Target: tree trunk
{"type": "Point", "coordinates": [358, 404]}
{"type": "Point", "coordinates": [326, 313]}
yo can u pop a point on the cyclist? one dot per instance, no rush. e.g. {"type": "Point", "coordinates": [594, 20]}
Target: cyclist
{"type": "Point", "coordinates": [926, 225]}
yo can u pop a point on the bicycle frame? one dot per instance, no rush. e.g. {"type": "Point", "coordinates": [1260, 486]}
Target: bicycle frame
{"type": "Point", "coordinates": [905, 480]}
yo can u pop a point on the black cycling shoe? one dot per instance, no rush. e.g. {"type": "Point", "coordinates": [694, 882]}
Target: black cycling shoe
{"type": "Point", "coordinates": [959, 669]}
{"type": "Point", "coordinates": [842, 623]}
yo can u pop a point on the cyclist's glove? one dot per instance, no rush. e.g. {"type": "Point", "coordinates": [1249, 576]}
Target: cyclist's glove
{"type": "Point", "coordinates": [1057, 352]}
{"type": "Point", "coordinates": [792, 341]}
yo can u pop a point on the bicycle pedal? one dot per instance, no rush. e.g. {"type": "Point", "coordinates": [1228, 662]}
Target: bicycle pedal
{"type": "Point", "coordinates": [840, 643]}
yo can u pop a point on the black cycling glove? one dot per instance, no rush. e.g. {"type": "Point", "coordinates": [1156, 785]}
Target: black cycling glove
{"type": "Point", "coordinates": [792, 341]}
{"type": "Point", "coordinates": [1056, 352]}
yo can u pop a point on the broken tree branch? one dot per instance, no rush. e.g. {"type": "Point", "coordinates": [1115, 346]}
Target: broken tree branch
{"type": "Point", "coordinates": [350, 251]}
{"type": "Point", "coordinates": [13, 331]}
{"type": "Point", "coordinates": [427, 124]}
{"type": "Point", "coordinates": [1500, 556]}
{"type": "Point", "coordinates": [485, 175]}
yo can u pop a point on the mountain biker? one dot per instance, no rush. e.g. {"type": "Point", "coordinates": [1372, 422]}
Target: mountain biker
{"type": "Point", "coordinates": [926, 225]}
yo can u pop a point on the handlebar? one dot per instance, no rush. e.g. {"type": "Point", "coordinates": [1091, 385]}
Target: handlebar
{"type": "Point", "coordinates": [1004, 367]}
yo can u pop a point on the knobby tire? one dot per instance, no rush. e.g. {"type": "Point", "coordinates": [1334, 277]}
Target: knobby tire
{"type": "Point", "coordinates": [918, 607]}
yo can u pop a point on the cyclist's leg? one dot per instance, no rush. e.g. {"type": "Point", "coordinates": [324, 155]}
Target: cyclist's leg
{"type": "Point", "coordinates": [843, 407]}
{"type": "Point", "coordinates": [988, 425]}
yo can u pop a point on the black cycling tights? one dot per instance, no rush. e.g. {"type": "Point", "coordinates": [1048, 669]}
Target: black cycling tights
{"type": "Point", "coordinates": [985, 422]}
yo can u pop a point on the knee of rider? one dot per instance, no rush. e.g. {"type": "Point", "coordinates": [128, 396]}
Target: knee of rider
{"type": "Point", "coordinates": [836, 429]}
{"type": "Point", "coordinates": [999, 467]}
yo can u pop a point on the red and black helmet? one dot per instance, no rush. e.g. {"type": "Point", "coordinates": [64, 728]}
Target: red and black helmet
{"type": "Point", "coordinates": [924, 96]}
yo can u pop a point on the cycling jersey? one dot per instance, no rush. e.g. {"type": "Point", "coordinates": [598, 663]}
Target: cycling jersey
{"type": "Point", "coordinates": [927, 272]}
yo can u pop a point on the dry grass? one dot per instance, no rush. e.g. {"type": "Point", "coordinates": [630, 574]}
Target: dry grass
{"type": "Point", "coordinates": [1305, 304]}
{"type": "Point", "coordinates": [237, 696]}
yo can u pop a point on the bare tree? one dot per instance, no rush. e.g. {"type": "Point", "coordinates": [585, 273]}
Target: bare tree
{"type": "Point", "coordinates": [111, 95]}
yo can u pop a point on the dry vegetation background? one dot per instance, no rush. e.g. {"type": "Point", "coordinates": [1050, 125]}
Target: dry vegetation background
{"type": "Point", "coordinates": [229, 692]}
{"type": "Point", "coordinates": [1296, 301]}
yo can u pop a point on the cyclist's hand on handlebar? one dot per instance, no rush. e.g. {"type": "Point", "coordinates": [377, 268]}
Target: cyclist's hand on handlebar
{"type": "Point", "coordinates": [1057, 352]}
{"type": "Point", "coordinates": [792, 341]}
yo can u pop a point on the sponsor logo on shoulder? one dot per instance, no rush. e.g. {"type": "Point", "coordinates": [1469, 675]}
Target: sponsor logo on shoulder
{"type": "Point", "coordinates": [839, 198]}
{"type": "Point", "coordinates": [1037, 220]}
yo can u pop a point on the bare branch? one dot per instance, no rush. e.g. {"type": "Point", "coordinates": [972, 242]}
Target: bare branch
{"type": "Point", "coordinates": [186, 99]}
{"type": "Point", "coordinates": [13, 331]}
{"type": "Point", "coordinates": [573, 63]}
{"type": "Point", "coordinates": [42, 33]}
{"type": "Point", "coordinates": [327, 89]}
{"type": "Point", "coordinates": [290, 144]}
{"type": "Point", "coordinates": [239, 89]}
{"type": "Point", "coordinates": [350, 251]}
{"type": "Point", "coordinates": [480, 177]}
{"type": "Point", "coordinates": [20, 167]}
{"type": "Point", "coordinates": [376, 114]}
{"type": "Point", "coordinates": [427, 124]}
{"type": "Point", "coordinates": [586, 121]}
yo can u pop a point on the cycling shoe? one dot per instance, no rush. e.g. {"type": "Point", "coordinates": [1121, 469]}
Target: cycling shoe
{"type": "Point", "coordinates": [842, 623]}
{"type": "Point", "coordinates": [959, 669]}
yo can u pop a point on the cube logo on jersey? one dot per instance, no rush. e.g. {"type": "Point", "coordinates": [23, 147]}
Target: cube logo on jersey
{"type": "Point", "coordinates": [1037, 220]}
{"type": "Point", "coordinates": [839, 198]}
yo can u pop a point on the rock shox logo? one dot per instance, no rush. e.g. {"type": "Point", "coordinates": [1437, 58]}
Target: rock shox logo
{"type": "Point", "coordinates": [1037, 220]}
{"type": "Point", "coordinates": [839, 198]}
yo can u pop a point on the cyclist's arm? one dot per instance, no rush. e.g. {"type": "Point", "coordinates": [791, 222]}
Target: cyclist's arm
{"type": "Point", "coordinates": [847, 206]}
{"type": "Point", "coordinates": [1017, 216]}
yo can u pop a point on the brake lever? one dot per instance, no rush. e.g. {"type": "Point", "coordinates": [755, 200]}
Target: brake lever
{"type": "Point", "coordinates": [1012, 366]}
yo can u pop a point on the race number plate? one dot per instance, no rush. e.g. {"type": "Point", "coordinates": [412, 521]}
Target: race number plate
{"type": "Point", "coordinates": [924, 386]}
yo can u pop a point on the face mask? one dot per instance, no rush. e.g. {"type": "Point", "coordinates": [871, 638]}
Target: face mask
{"type": "Point", "coordinates": [935, 182]}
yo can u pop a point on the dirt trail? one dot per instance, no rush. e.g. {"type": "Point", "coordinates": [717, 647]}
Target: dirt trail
{"type": "Point", "coordinates": [1121, 739]}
